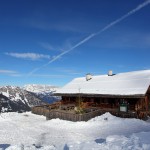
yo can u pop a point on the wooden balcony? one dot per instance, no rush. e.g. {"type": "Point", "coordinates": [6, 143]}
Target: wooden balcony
{"type": "Point", "coordinates": [67, 112]}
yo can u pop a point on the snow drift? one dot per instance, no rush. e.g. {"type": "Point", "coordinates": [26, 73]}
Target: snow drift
{"type": "Point", "coordinates": [28, 131]}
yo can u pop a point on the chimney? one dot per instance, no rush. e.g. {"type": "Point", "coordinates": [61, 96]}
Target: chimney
{"type": "Point", "coordinates": [110, 73]}
{"type": "Point", "coordinates": [88, 77]}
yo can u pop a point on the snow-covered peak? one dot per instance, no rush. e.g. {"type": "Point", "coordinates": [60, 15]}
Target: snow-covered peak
{"type": "Point", "coordinates": [44, 92]}
{"type": "Point", "coordinates": [39, 88]}
{"type": "Point", "coordinates": [17, 99]}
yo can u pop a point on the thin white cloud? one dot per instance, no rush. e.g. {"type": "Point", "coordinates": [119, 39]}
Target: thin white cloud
{"type": "Point", "coordinates": [17, 75]}
{"type": "Point", "coordinates": [47, 46]}
{"type": "Point", "coordinates": [49, 76]}
{"type": "Point", "coordinates": [68, 71]}
{"type": "Point", "coordinates": [124, 40]}
{"type": "Point", "coordinates": [67, 26]}
{"type": "Point", "coordinates": [7, 72]}
{"type": "Point", "coordinates": [34, 70]}
{"type": "Point", "coordinates": [30, 56]}
{"type": "Point", "coordinates": [139, 7]}
{"type": "Point", "coordinates": [10, 73]}
{"type": "Point", "coordinates": [146, 40]}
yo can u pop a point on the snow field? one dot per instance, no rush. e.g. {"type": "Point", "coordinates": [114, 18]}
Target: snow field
{"type": "Point", "coordinates": [26, 131]}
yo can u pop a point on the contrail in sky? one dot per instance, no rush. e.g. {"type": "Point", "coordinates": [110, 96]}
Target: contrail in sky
{"type": "Point", "coordinates": [94, 34]}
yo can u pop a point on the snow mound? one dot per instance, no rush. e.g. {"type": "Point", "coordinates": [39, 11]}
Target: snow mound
{"type": "Point", "coordinates": [105, 117]}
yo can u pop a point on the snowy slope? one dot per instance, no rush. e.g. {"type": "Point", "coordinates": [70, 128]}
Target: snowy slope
{"type": "Point", "coordinates": [31, 132]}
{"type": "Point", "coordinates": [16, 99]}
{"type": "Point", "coordinates": [44, 92]}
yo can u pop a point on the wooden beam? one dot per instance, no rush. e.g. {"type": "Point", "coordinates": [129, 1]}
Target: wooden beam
{"type": "Point", "coordinates": [146, 103]}
{"type": "Point", "coordinates": [100, 95]}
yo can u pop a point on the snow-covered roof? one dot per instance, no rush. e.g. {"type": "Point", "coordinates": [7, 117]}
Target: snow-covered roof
{"type": "Point", "coordinates": [129, 83]}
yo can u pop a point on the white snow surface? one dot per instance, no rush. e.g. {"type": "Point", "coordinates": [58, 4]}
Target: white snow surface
{"type": "Point", "coordinates": [130, 83]}
{"type": "Point", "coordinates": [5, 93]}
{"type": "Point", "coordinates": [39, 88]}
{"type": "Point", "coordinates": [27, 131]}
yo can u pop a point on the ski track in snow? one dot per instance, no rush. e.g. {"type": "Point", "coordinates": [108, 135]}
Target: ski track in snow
{"type": "Point", "coordinates": [27, 131]}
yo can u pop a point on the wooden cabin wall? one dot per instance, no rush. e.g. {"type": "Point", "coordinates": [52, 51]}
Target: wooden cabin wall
{"type": "Point", "coordinates": [143, 104]}
{"type": "Point", "coordinates": [147, 102]}
{"type": "Point", "coordinates": [148, 98]}
{"type": "Point", "coordinates": [102, 102]}
{"type": "Point", "coordinates": [134, 104]}
{"type": "Point", "coordinates": [67, 99]}
{"type": "Point", "coordinates": [148, 91]}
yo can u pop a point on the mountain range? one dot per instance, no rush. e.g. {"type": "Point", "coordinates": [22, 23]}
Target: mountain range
{"type": "Point", "coordinates": [13, 98]}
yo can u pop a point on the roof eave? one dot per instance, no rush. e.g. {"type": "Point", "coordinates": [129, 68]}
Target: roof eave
{"type": "Point", "coordinates": [100, 95]}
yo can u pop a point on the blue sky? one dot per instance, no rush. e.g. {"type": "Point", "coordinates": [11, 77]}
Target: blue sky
{"type": "Point", "coordinates": [53, 41]}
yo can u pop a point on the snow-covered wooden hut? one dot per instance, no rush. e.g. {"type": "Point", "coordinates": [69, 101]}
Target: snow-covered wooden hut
{"type": "Point", "coordinates": [126, 92]}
